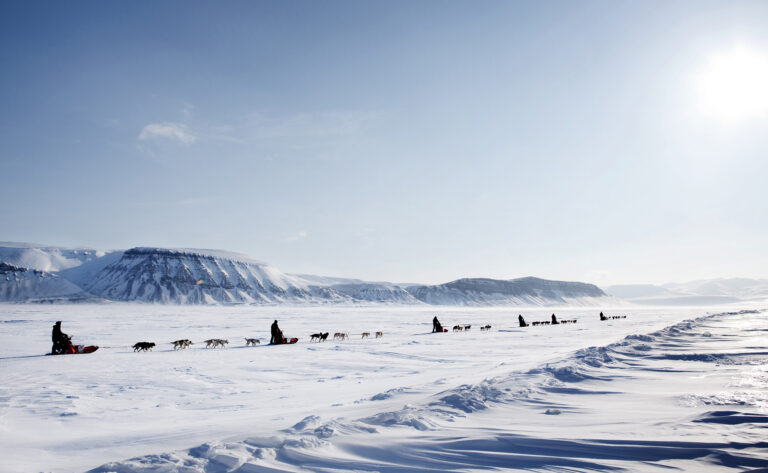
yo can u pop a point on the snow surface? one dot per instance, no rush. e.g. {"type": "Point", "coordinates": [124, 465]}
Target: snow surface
{"type": "Point", "coordinates": [647, 393]}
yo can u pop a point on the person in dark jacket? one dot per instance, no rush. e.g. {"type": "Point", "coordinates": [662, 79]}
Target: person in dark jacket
{"type": "Point", "coordinates": [554, 320]}
{"type": "Point", "coordinates": [602, 317]}
{"type": "Point", "coordinates": [521, 320]}
{"type": "Point", "coordinates": [277, 334]}
{"type": "Point", "coordinates": [436, 326]}
{"type": "Point", "coordinates": [60, 339]}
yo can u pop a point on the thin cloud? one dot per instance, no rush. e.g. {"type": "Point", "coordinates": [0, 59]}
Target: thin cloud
{"type": "Point", "coordinates": [167, 131]}
{"type": "Point", "coordinates": [296, 236]}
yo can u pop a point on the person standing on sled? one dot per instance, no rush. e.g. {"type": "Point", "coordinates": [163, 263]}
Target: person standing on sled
{"type": "Point", "coordinates": [554, 320]}
{"type": "Point", "coordinates": [61, 343]}
{"type": "Point", "coordinates": [436, 327]}
{"type": "Point", "coordinates": [521, 320]}
{"type": "Point", "coordinates": [277, 335]}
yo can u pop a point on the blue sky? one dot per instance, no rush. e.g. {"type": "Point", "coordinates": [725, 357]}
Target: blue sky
{"type": "Point", "coordinates": [401, 141]}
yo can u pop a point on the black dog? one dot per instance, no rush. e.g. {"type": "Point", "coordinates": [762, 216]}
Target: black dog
{"type": "Point", "coordinates": [143, 346]}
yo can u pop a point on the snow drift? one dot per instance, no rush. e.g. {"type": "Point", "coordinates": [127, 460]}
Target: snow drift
{"type": "Point", "coordinates": [615, 407]}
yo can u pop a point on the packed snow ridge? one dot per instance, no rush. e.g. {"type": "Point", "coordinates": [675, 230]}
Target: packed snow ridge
{"type": "Point", "coordinates": [190, 276]}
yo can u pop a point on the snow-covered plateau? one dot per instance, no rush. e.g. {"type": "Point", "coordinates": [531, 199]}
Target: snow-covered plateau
{"type": "Point", "coordinates": [217, 277]}
{"type": "Point", "coordinates": [664, 388]}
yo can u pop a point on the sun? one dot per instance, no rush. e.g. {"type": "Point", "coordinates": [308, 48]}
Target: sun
{"type": "Point", "coordinates": [733, 86]}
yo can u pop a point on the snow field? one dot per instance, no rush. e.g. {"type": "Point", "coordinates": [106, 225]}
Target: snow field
{"type": "Point", "coordinates": [371, 404]}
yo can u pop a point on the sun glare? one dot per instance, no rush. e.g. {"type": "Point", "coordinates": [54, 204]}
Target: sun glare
{"type": "Point", "coordinates": [733, 86]}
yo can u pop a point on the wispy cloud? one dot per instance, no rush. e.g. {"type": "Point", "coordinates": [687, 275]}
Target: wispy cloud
{"type": "Point", "coordinates": [296, 236]}
{"type": "Point", "coordinates": [167, 131]}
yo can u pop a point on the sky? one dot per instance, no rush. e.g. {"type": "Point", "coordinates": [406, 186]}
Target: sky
{"type": "Point", "coordinates": [415, 142]}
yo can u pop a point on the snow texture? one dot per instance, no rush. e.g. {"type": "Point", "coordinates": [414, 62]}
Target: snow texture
{"type": "Point", "coordinates": [662, 389]}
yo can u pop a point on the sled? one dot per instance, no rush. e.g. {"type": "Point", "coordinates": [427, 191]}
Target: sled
{"type": "Point", "coordinates": [85, 349]}
{"type": "Point", "coordinates": [78, 350]}
{"type": "Point", "coordinates": [287, 341]}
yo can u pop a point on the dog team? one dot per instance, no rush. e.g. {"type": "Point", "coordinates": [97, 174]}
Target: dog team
{"type": "Point", "coordinates": [341, 336]}
{"type": "Point", "coordinates": [222, 343]}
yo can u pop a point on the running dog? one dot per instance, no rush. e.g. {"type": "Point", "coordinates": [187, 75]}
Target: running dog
{"type": "Point", "coordinates": [181, 344]}
{"type": "Point", "coordinates": [216, 343]}
{"type": "Point", "coordinates": [252, 342]}
{"type": "Point", "coordinates": [379, 334]}
{"type": "Point", "coordinates": [458, 328]}
{"type": "Point", "coordinates": [143, 346]}
{"type": "Point", "coordinates": [485, 328]}
{"type": "Point", "coordinates": [366, 335]}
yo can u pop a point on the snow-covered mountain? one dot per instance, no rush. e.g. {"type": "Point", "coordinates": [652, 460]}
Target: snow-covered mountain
{"type": "Point", "coordinates": [191, 276]}
{"type": "Point", "coordinates": [46, 258]}
{"type": "Point", "coordinates": [195, 276]}
{"type": "Point", "coordinates": [522, 291]}
{"type": "Point", "coordinates": [23, 284]}
{"type": "Point", "coordinates": [742, 288]}
{"type": "Point", "coordinates": [702, 292]}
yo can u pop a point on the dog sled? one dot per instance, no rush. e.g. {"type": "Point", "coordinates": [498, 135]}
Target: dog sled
{"type": "Point", "coordinates": [287, 341]}
{"type": "Point", "coordinates": [77, 350]}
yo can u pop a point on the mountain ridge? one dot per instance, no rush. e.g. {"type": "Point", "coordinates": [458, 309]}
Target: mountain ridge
{"type": "Point", "coordinates": [204, 276]}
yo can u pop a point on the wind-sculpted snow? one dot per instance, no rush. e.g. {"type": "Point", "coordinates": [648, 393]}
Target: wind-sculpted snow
{"type": "Point", "coordinates": [619, 407]}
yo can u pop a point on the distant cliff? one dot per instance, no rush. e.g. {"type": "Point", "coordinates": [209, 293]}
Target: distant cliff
{"type": "Point", "coordinates": [522, 291]}
{"type": "Point", "coordinates": [193, 276]}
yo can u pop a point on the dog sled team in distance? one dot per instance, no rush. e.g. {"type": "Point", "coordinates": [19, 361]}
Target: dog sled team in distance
{"type": "Point", "coordinates": [604, 317]}
{"type": "Point", "coordinates": [63, 345]}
